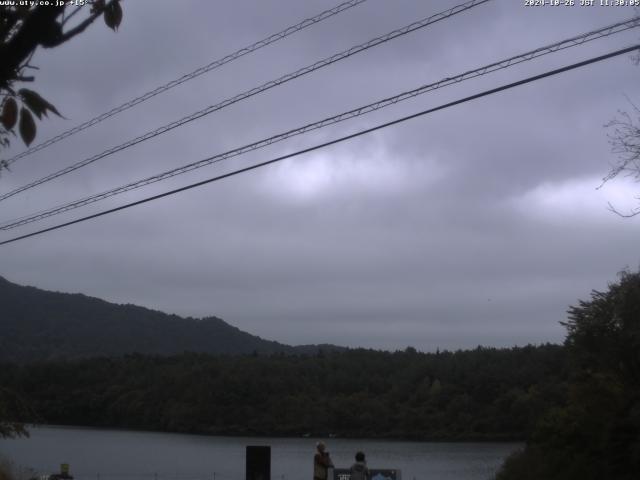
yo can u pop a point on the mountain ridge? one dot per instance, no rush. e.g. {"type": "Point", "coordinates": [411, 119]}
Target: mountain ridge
{"type": "Point", "coordinates": [42, 325]}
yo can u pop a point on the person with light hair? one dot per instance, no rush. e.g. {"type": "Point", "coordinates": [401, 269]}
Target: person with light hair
{"type": "Point", "coordinates": [321, 462]}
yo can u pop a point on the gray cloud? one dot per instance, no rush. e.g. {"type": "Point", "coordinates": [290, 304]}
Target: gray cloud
{"type": "Point", "coordinates": [479, 224]}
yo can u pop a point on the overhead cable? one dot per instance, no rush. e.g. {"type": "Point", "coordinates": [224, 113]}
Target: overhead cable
{"type": "Point", "coordinates": [332, 142]}
{"type": "Point", "coordinates": [190, 76]}
{"type": "Point", "coordinates": [254, 91]}
{"type": "Point", "coordinates": [502, 64]}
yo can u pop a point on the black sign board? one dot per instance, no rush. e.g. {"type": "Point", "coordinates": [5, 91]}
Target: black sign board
{"type": "Point", "coordinates": [258, 463]}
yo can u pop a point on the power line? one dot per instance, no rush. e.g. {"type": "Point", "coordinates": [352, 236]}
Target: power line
{"type": "Point", "coordinates": [254, 91]}
{"type": "Point", "coordinates": [332, 142]}
{"type": "Point", "coordinates": [514, 60]}
{"type": "Point", "coordinates": [189, 76]}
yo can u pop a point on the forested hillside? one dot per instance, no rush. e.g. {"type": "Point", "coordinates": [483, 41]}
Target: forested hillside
{"type": "Point", "coordinates": [38, 325]}
{"type": "Point", "coordinates": [476, 394]}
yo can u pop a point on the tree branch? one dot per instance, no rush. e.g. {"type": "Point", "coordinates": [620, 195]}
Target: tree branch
{"type": "Point", "coordinates": [70, 16]}
{"type": "Point", "coordinates": [81, 27]}
{"type": "Point", "coordinates": [39, 28]}
{"type": "Point", "coordinates": [35, 28]}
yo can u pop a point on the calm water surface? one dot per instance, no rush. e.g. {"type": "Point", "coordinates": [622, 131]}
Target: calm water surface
{"type": "Point", "coordinates": [127, 455]}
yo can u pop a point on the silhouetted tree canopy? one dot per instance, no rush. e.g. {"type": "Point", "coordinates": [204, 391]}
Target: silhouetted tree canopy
{"type": "Point", "coordinates": [596, 434]}
{"type": "Point", "coordinates": [625, 143]}
{"type": "Point", "coordinates": [25, 28]}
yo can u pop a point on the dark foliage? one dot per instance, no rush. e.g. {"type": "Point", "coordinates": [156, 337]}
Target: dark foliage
{"type": "Point", "coordinates": [12, 407]}
{"type": "Point", "coordinates": [479, 394]}
{"type": "Point", "coordinates": [24, 28]}
{"type": "Point", "coordinates": [596, 434]}
{"type": "Point", "coordinates": [40, 325]}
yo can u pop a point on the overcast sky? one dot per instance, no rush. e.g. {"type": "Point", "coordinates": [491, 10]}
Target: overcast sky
{"type": "Point", "coordinates": [478, 224]}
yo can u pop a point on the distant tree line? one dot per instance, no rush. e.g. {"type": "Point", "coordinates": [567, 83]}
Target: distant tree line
{"type": "Point", "coordinates": [481, 394]}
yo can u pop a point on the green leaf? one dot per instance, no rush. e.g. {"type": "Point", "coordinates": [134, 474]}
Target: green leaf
{"type": "Point", "coordinates": [113, 15]}
{"type": "Point", "coordinates": [9, 113]}
{"type": "Point", "coordinates": [27, 126]}
{"type": "Point", "coordinates": [36, 103]}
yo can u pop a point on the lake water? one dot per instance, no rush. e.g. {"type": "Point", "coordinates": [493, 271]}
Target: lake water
{"type": "Point", "coordinates": [126, 455]}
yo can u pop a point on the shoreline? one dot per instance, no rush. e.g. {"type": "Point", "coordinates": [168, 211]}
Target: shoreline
{"type": "Point", "coordinates": [329, 437]}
